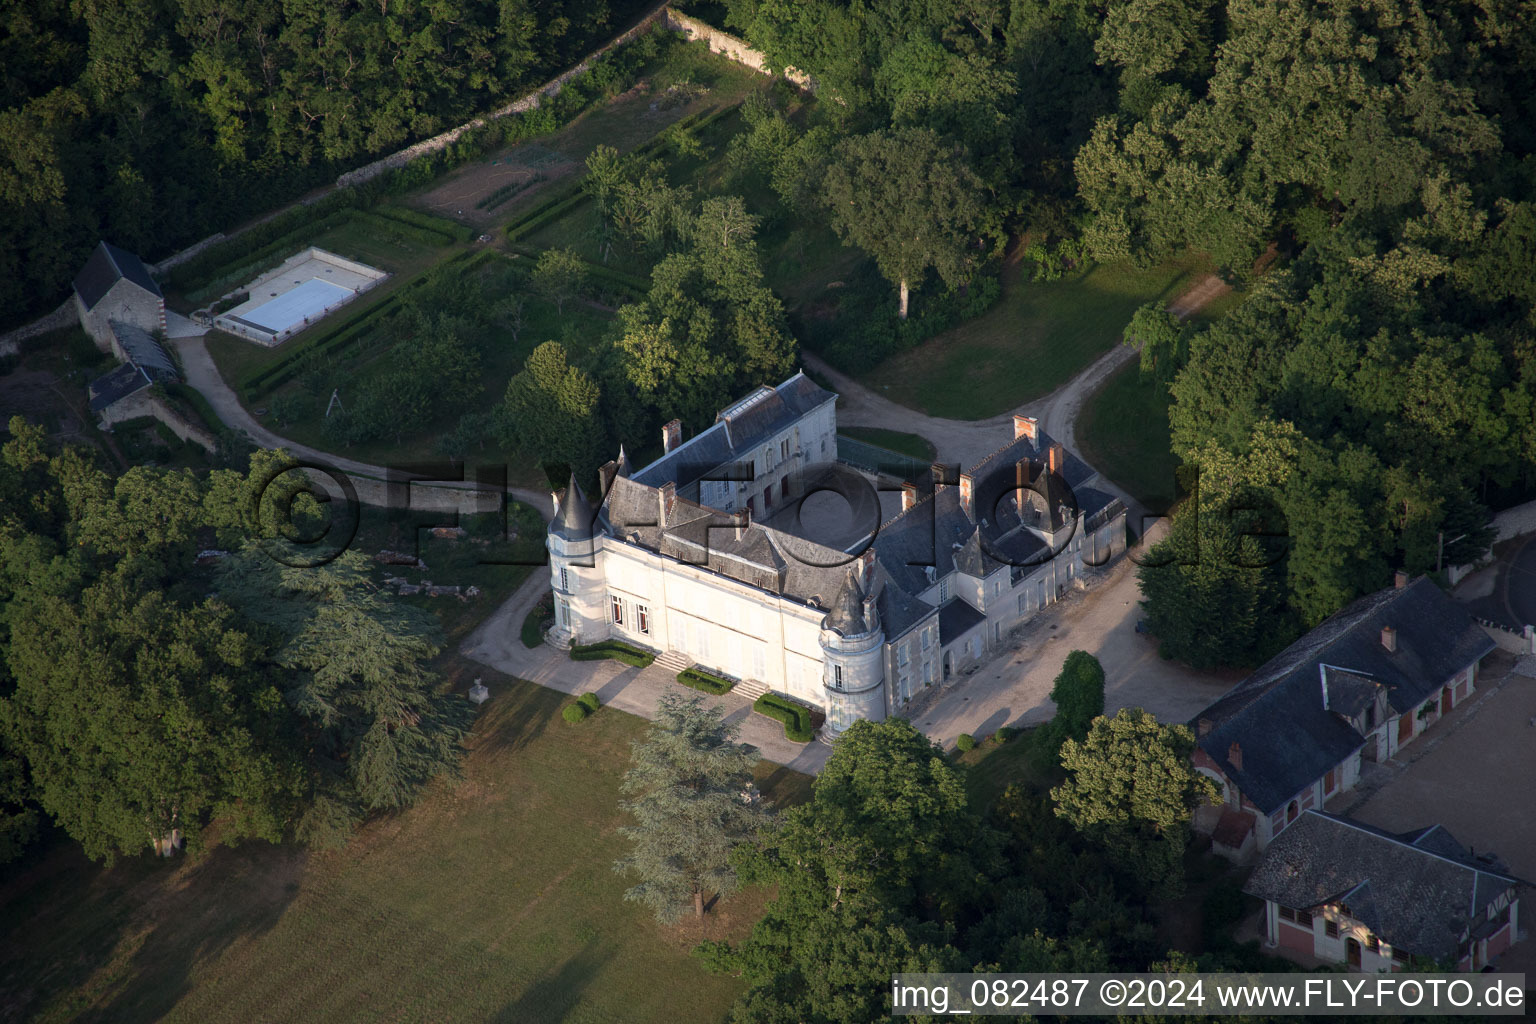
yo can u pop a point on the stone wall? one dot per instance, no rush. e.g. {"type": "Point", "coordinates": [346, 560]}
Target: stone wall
{"type": "Point", "coordinates": [728, 46]}
{"type": "Point", "coordinates": [10, 341]}
{"type": "Point", "coordinates": [549, 89]}
{"type": "Point", "coordinates": [147, 403]}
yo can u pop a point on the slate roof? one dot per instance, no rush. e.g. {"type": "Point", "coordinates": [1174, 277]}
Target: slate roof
{"type": "Point", "coordinates": [143, 350]}
{"type": "Point", "coordinates": [117, 385]}
{"type": "Point", "coordinates": [1420, 890]}
{"type": "Point", "coordinates": [107, 266]}
{"type": "Point", "coordinates": [575, 518]}
{"type": "Point", "coordinates": [1287, 738]}
{"type": "Point", "coordinates": [956, 618]}
{"type": "Point", "coordinates": [737, 432]}
{"type": "Point", "coordinates": [846, 616]}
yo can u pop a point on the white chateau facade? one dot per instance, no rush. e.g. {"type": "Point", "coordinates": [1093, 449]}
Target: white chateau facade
{"type": "Point", "coordinates": [722, 553]}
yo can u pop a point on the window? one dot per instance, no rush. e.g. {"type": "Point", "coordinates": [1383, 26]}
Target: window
{"type": "Point", "coordinates": [618, 612]}
{"type": "Point", "coordinates": [1291, 812]}
{"type": "Point", "coordinates": [768, 497]}
{"type": "Point", "coordinates": [1022, 604]}
{"type": "Point", "coordinates": [1331, 781]}
{"type": "Point", "coordinates": [837, 677]}
{"type": "Point", "coordinates": [1373, 944]}
{"type": "Point", "coordinates": [927, 639]}
{"type": "Point", "coordinates": [1301, 917]}
{"type": "Point", "coordinates": [1370, 717]}
{"type": "Point", "coordinates": [927, 673]}
{"type": "Point", "coordinates": [943, 590]}
{"type": "Point", "coordinates": [1332, 928]}
{"type": "Point", "coordinates": [823, 446]}
{"type": "Point", "coordinates": [767, 459]}
{"type": "Point", "coordinates": [643, 619]}
{"type": "Point", "coordinates": [903, 654]}
{"type": "Point", "coordinates": [1400, 956]}
{"type": "Point", "coordinates": [784, 448]}
{"type": "Point", "coordinates": [565, 578]}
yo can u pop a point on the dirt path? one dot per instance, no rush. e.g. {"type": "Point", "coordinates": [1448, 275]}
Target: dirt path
{"type": "Point", "coordinates": [203, 374]}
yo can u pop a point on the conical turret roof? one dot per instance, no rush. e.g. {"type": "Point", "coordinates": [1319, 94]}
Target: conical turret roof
{"type": "Point", "coordinates": [846, 616]}
{"type": "Point", "coordinates": [574, 520]}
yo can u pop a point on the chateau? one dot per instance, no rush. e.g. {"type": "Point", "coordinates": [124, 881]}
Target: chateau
{"type": "Point", "coordinates": [752, 552]}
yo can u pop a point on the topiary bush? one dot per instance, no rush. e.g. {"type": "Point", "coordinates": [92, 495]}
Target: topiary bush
{"type": "Point", "coordinates": [589, 701]}
{"type": "Point", "coordinates": [796, 717]}
{"type": "Point", "coordinates": [965, 741]}
{"type": "Point", "coordinates": [574, 713]}
{"type": "Point", "coordinates": [612, 649]}
{"type": "Point", "coordinates": [1003, 735]}
{"type": "Point", "coordinates": [706, 681]}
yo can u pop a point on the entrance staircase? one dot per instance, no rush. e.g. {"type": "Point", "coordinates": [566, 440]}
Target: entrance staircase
{"type": "Point", "coordinates": [559, 639]}
{"type": "Point", "coordinates": [673, 661]}
{"type": "Point", "coordinates": [750, 689]}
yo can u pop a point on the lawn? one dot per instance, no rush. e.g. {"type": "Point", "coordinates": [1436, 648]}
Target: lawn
{"type": "Point", "coordinates": [1123, 433]}
{"type": "Point", "coordinates": [493, 899]}
{"type": "Point", "coordinates": [1123, 428]}
{"type": "Point", "coordinates": [992, 767]}
{"type": "Point", "coordinates": [917, 447]}
{"type": "Point", "coordinates": [1036, 338]}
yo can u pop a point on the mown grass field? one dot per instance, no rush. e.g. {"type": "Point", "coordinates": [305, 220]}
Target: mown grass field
{"type": "Point", "coordinates": [494, 899]}
{"type": "Point", "coordinates": [1036, 338]}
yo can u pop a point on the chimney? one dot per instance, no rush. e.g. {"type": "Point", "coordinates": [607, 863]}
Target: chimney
{"type": "Point", "coordinates": [1204, 726]}
{"type": "Point", "coordinates": [671, 436]}
{"type": "Point", "coordinates": [1026, 426]}
{"type": "Point", "coordinates": [1389, 639]}
{"type": "Point", "coordinates": [940, 476]}
{"type": "Point", "coordinates": [1058, 458]}
{"type": "Point", "coordinates": [743, 519]}
{"type": "Point", "coordinates": [1399, 579]}
{"type": "Point", "coordinates": [666, 494]}
{"type": "Point", "coordinates": [869, 611]}
{"type": "Point", "coordinates": [908, 495]}
{"type": "Point", "coordinates": [966, 485]}
{"type": "Point", "coordinates": [1235, 756]}
{"type": "Point", "coordinates": [1021, 484]}
{"type": "Point", "coordinates": [866, 563]}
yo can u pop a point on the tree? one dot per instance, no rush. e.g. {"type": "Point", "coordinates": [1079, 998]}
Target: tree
{"type": "Point", "coordinates": [170, 721]}
{"type": "Point", "coordinates": [911, 202]}
{"type": "Point", "coordinates": [559, 276]}
{"type": "Point", "coordinates": [694, 802]}
{"type": "Point", "coordinates": [553, 411]}
{"type": "Point", "coordinates": [1163, 339]}
{"type": "Point", "coordinates": [1132, 788]}
{"type": "Point", "coordinates": [1078, 694]}
{"type": "Point", "coordinates": [376, 720]}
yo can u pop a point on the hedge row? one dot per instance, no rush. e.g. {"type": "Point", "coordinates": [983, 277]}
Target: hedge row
{"type": "Point", "coordinates": [551, 209]}
{"type": "Point", "coordinates": [796, 717]}
{"type": "Point", "coordinates": [614, 649]}
{"type": "Point", "coordinates": [200, 269]}
{"type": "Point", "coordinates": [406, 215]}
{"type": "Point", "coordinates": [435, 237]}
{"type": "Point", "coordinates": [705, 681]}
{"type": "Point", "coordinates": [263, 258]}
{"type": "Point", "coordinates": [345, 331]}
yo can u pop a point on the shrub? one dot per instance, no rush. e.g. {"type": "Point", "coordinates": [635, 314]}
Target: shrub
{"type": "Point", "coordinates": [589, 701]}
{"type": "Point", "coordinates": [612, 649]}
{"type": "Point", "coordinates": [705, 681]}
{"type": "Point", "coordinates": [534, 623]}
{"type": "Point", "coordinates": [796, 717]}
{"type": "Point", "coordinates": [1004, 734]}
{"type": "Point", "coordinates": [965, 741]}
{"type": "Point", "coordinates": [574, 713]}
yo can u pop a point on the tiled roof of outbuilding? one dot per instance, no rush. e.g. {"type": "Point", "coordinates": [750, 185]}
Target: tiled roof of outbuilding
{"type": "Point", "coordinates": [107, 265]}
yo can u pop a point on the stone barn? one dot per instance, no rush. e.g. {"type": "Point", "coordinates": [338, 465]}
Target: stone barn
{"type": "Point", "coordinates": [114, 285]}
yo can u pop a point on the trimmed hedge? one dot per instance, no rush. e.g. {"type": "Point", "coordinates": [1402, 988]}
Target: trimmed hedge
{"type": "Point", "coordinates": [706, 681]}
{"type": "Point", "coordinates": [551, 209]}
{"type": "Point", "coordinates": [796, 717]}
{"type": "Point", "coordinates": [574, 713]}
{"type": "Point", "coordinates": [965, 741]}
{"type": "Point", "coordinates": [442, 225]}
{"type": "Point", "coordinates": [614, 649]}
{"type": "Point", "coordinates": [589, 701]}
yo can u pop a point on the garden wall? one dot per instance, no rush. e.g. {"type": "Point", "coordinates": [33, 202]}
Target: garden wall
{"type": "Point", "coordinates": [728, 46]}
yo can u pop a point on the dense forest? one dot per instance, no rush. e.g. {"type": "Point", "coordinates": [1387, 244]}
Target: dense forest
{"type": "Point", "coordinates": [158, 122]}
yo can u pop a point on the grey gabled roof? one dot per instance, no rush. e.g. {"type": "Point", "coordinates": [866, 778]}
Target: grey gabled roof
{"type": "Point", "coordinates": [1420, 890]}
{"type": "Point", "coordinates": [108, 265]}
{"type": "Point", "coordinates": [737, 432]}
{"type": "Point", "coordinates": [117, 385]}
{"type": "Point", "coordinates": [956, 619]}
{"type": "Point", "coordinates": [1287, 738]}
{"type": "Point", "coordinates": [144, 351]}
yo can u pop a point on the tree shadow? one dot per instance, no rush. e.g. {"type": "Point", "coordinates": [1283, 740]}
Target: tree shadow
{"type": "Point", "coordinates": [517, 712]}
{"type": "Point", "coordinates": [68, 922]}
{"type": "Point", "coordinates": [552, 996]}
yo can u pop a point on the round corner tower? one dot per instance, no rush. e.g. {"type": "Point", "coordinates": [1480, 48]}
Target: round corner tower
{"type": "Point", "coordinates": [853, 658]}
{"type": "Point", "coordinates": [574, 578]}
